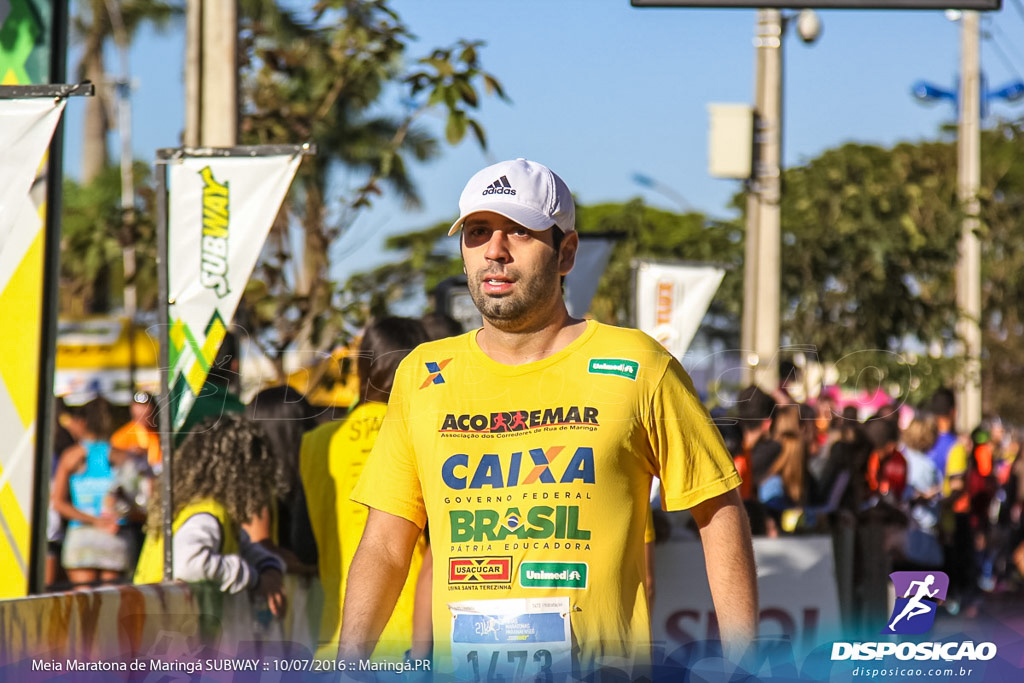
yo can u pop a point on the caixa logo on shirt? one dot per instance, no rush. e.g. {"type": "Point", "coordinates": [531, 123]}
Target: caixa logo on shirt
{"type": "Point", "coordinates": [535, 466]}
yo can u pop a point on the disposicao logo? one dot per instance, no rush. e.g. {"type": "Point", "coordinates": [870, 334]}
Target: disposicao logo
{"type": "Point", "coordinates": [614, 366]}
{"type": "Point", "coordinates": [914, 613]}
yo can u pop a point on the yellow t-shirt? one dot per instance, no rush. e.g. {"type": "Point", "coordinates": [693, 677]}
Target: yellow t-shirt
{"type": "Point", "coordinates": [956, 465]}
{"type": "Point", "coordinates": [536, 480]}
{"type": "Point", "coordinates": [330, 462]}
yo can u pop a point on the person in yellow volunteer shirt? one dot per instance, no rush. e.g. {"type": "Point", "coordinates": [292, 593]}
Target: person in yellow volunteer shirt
{"type": "Point", "coordinates": [330, 462]}
{"type": "Point", "coordinates": [224, 472]}
{"type": "Point", "coordinates": [530, 445]}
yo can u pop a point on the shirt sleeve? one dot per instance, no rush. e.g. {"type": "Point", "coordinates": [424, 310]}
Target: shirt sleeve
{"type": "Point", "coordinates": [690, 457]}
{"type": "Point", "coordinates": [390, 481]}
{"type": "Point", "coordinates": [197, 556]}
{"type": "Point", "coordinates": [257, 556]}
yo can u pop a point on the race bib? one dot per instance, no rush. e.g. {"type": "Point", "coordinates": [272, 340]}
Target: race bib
{"type": "Point", "coordinates": [525, 639]}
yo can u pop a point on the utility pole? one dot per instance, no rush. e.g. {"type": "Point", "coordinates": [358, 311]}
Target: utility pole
{"type": "Point", "coordinates": [760, 333]}
{"type": "Point", "coordinates": [749, 320]}
{"type": "Point", "coordinates": [128, 223]}
{"type": "Point", "coordinates": [968, 273]}
{"type": "Point", "coordinates": [211, 73]}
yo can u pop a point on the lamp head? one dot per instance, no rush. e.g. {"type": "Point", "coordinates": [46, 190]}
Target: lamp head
{"type": "Point", "coordinates": [808, 26]}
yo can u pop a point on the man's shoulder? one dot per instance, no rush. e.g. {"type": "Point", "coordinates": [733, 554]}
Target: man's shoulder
{"type": "Point", "coordinates": [638, 338]}
{"type": "Point", "coordinates": [438, 351]}
{"type": "Point", "coordinates": [614, 350]}
{"type": "Point", "coordinates": [626, 341]}
{"type": "Point", "coordinates": [457, 343]}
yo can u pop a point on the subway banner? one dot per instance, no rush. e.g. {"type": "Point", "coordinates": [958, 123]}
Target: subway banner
{"type": "Point", "coordinates": [26, 127]}
{"type": "Point", "coordinates": [26, 57]}
{"type": "Point", "coordinates": [220, 210]}
{"type": "Point", "coordinates": [671, 300]}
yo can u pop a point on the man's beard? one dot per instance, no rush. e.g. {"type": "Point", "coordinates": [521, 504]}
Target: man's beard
{"type": "Point", "coordinates": [531, 294]}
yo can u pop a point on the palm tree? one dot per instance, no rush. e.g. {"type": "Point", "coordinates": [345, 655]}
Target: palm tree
{"type": "Point", "coordinates": [94, 23]}
{"type": "Point", "coordinates": [318, 79]}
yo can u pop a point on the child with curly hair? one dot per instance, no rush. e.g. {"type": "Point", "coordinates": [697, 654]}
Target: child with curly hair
{"type": "Point", "coordinates": [223, 474]}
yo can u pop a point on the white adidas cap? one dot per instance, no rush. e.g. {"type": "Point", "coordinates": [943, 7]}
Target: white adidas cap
{"type": "Point", "coordinates": [523, 191]}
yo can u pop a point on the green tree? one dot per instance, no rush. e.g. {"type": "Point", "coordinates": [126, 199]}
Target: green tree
{"type": "Point", "coordinates": [325, 79]}
{"type": "Point", "coordinates": [92, 238]}
{"type": "Point", "coordinates": [870, 243]}
{"type": "Point", "coordinates": [1002, 233]}
{"type": "Point", "coordinates": [867, 229]}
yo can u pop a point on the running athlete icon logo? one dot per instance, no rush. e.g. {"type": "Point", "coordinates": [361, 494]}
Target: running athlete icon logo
{"type": "Point", "coordinates": [916, 593]}
{"type": "Point", "coordinates": [435, 373]}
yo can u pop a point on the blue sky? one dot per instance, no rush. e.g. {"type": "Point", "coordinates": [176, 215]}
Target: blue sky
{"type": "Point", "coordinates": [600, 90]}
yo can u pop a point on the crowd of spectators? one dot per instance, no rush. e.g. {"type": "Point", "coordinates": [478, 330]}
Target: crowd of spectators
{"type": "Point", "coordinates": [946, 501]}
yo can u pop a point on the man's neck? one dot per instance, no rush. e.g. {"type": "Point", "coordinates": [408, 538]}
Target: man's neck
{"type": "Point", "coordinates": [517, 347]}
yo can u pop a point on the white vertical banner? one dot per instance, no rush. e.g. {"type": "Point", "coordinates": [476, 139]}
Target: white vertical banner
{"type": "Point", "coordinates": [26, 127]}
{"type": "Point", "coordinates": [671, 300]}
{"type": "Point", "coordinates": [220, 210]}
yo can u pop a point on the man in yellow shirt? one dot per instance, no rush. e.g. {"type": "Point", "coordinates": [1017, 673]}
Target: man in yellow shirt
{"type": "Point", "coordinates": [530, 446]}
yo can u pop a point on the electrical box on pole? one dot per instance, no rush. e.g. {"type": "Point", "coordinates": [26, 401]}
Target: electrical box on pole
{"type": "Point", "coordinates": [730, 140]}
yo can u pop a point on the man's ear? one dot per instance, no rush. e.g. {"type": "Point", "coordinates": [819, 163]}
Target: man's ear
{"type": "Point", "coordinates": [567, 252]}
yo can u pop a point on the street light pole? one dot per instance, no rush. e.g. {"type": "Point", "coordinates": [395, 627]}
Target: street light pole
{"type": "Point", "coordinates": [760, 326]}
{"type": "Point", "coordinates": [767, 174]}
{"type": "Point", "coordinates": [968, 273]}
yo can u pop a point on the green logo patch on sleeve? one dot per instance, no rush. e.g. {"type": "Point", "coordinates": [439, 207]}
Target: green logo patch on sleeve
{"type": "Point", "coordinates": [614, 366]}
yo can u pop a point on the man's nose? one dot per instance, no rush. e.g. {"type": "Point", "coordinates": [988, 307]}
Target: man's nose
{"type": "Point", "coordinates": [497, 247]}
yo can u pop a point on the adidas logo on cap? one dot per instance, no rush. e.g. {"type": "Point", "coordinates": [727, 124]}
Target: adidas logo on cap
{"type": "Point", "coordinates": [535, 198]}
{"type": "Point", "coordinates": [499, 186]}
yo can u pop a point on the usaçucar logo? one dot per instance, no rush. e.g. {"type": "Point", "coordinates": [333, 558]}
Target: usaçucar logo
{"type": "Point", "coordinates": [435, 372]}
{"type": "Point", "coordinates": [916, 593]}
{"type": "Point", "coordinates": [213, 272]}
{"type": "Point", "coordinates": [480, 570]}
{"type": "Point", "coordinates": [614, 366]}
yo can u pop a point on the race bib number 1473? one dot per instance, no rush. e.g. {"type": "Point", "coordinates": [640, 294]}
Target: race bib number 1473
{"type": "Point", "coordinates": [513, 640]}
